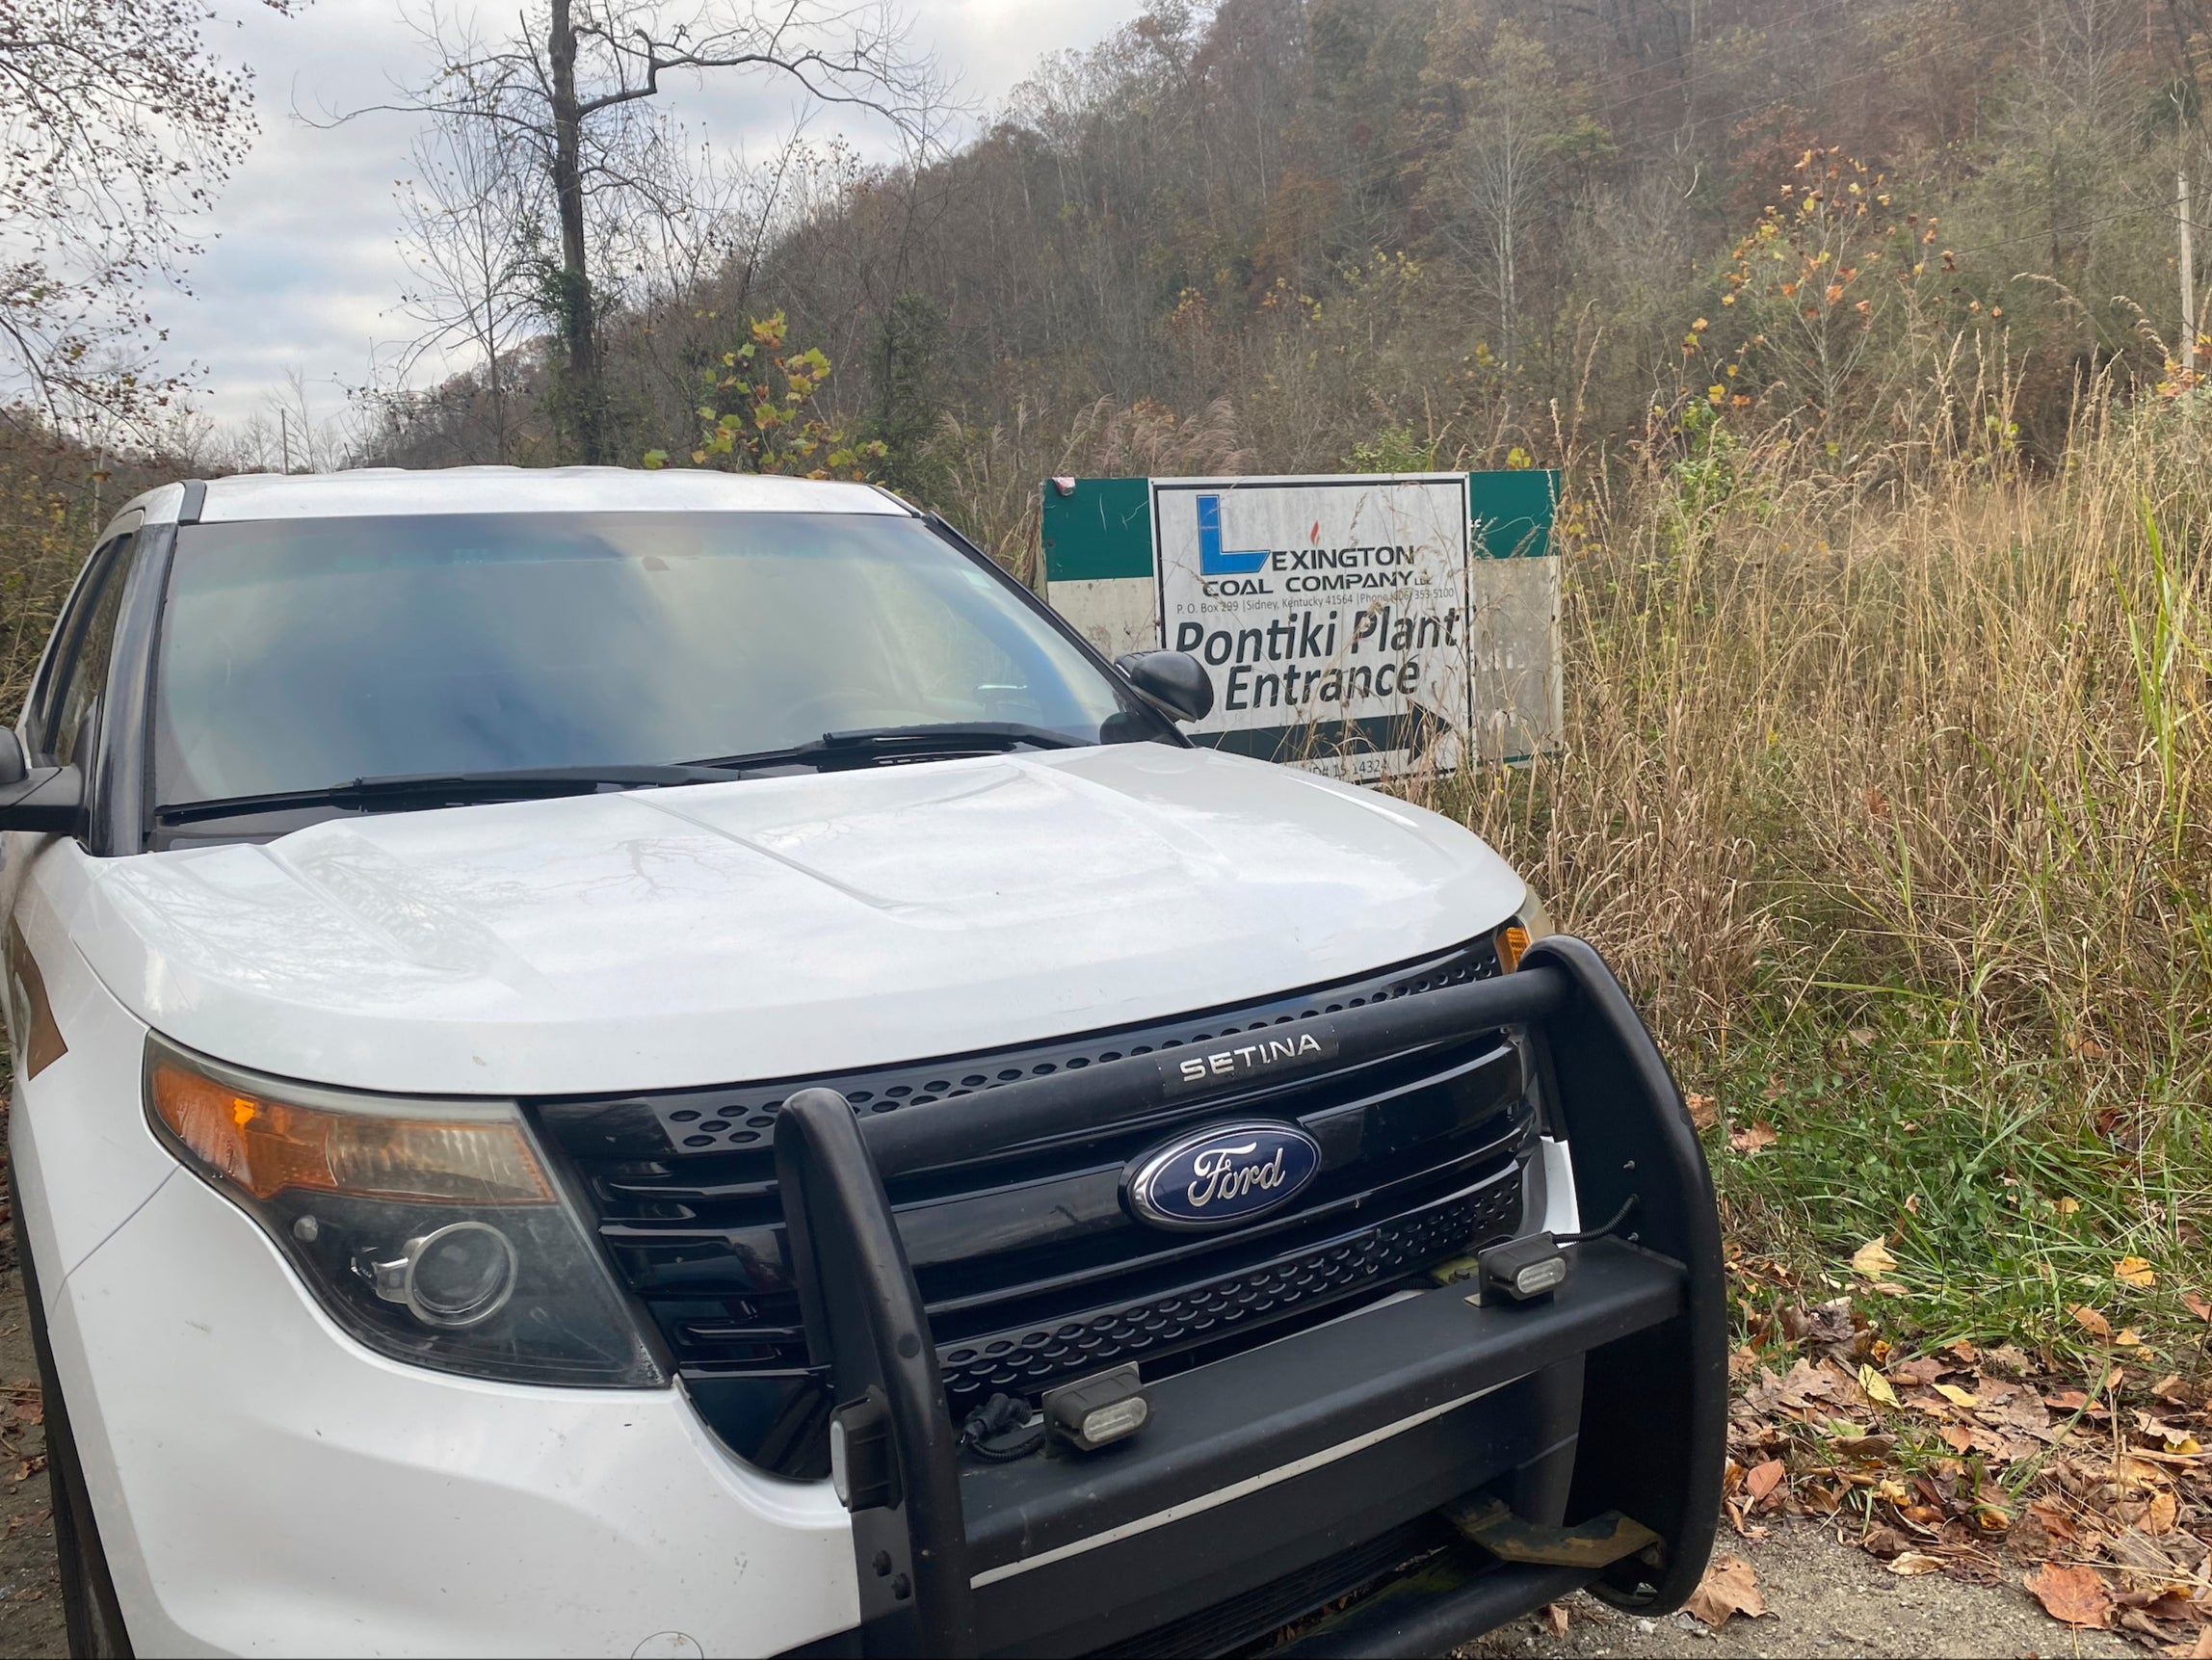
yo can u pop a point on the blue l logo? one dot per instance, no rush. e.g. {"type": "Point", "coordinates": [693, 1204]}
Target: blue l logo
{"type": "Point", "coordinates": [1212, 561]}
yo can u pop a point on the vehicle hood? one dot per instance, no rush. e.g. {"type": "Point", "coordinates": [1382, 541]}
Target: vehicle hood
{"type": "Point", "coordinates": [778, 927]}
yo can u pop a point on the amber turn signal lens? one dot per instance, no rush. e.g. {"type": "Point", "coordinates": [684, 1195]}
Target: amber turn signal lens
{"type": "Point", "coordinates": [265, 1146]}
{"type": "Point", "coordinates": [1511, 942]}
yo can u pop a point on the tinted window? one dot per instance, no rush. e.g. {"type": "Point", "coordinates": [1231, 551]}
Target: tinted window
{"type": "Point", "coordinates": [89, 641]}
{"type": "Point", "coordinates": [301, 653]}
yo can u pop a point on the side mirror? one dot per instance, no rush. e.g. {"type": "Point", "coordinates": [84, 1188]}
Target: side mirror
{"type": "Point", "coordinates": [41, 799]}
{"type": "Point", "coordinates": [1174, 682]}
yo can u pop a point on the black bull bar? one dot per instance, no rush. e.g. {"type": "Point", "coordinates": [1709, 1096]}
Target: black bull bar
{"type": "Point", "coordinates": [1637, 1338]}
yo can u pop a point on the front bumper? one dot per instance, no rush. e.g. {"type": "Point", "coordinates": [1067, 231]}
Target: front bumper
{"type": "Point", "coordinates": [265, 1486]}
{"type": "Point", "coordinates": [1263, 1481]}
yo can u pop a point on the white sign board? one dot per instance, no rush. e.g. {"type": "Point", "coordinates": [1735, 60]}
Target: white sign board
{"type": "Point", "coordinates": [1331, 613]}
{"type": "Point", "coordinates": [1365, 625]}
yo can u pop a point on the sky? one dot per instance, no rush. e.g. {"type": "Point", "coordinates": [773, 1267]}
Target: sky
{"type": "Point", "coordinates": [300, 271]}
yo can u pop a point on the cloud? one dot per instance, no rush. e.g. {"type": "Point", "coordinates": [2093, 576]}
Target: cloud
{"type": "Point", "coordinates": [300, 269]}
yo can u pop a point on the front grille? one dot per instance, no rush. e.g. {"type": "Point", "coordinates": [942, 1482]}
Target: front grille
{"type": "Point", "coordinates": [1032, 1269]}
{"type": "Point", "coordinates": [1025, 1360]}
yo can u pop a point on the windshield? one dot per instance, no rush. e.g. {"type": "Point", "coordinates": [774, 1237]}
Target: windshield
{"type": "Point", "coordinates": [302, 653]}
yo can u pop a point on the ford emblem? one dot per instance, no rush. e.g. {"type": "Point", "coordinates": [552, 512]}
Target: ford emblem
{"type": "Point", "coordinates": [1221, 1175]}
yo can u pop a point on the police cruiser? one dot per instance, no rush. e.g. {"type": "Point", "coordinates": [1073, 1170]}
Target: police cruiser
{"type": "Point", "coordinates": [610, 1063]}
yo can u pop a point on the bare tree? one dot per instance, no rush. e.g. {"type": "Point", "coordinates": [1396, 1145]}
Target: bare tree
{"type": "Point", "coordinates": [472, 221]}
{"type": "Point", "coordinates": [117, 124]}
{"type": "Point", "coordinates": [1502, 166]}
{"type": "Point", "coordinates": [572, 87]}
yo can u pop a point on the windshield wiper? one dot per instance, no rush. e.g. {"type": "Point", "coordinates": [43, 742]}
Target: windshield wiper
{"type": "Point", "coordinates": [930, 741]}
{"type": "Point", "coordinates": [417, 790]}
{"type": "Point", "coordinates": [832, 752]}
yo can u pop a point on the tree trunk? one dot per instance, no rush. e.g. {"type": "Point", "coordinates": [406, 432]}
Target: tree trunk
{"type": "Point", "coordinates": [579, 325]}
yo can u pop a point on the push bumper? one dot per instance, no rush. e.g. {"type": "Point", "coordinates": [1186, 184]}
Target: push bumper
{"type": "Point", "coordinates": [1276, 1482]}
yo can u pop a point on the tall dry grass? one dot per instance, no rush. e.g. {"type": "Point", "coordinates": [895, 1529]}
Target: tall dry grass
{"type": "Point", "coordinates": [1942, 736]}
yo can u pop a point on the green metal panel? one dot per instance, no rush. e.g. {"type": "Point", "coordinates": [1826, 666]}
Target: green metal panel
{"type": "Point", "coordinates": [1103, 529]}
{"type": "Point", "coordinates": [1513, 512]}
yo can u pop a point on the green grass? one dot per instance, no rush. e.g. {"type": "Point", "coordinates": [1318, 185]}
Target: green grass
{"type": "Point", "coordinates": [2001, 1184]}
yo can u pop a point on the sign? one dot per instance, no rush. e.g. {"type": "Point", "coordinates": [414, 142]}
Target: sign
{"type": "Point", "coordinates": [1366, 624]}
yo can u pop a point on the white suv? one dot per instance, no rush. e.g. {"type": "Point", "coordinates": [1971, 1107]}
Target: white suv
{"type": "Point", "coordinates": [669, 1064]}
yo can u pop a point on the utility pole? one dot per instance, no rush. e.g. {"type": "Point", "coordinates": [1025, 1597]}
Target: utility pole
{"type": "Point", "coordinates": [284, 436]}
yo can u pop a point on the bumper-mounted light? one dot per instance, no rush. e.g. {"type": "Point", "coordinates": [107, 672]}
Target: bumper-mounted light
{"type": "Point", "coordinates": [863, 1461]}
{"type": "Point", "coordinates": [1521, 1269]}
{"type": "Point", "coordinates": [1099, 1410]}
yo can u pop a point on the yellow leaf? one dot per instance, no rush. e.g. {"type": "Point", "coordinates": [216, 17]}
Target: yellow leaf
{"type": "Point", "coordinates": [2065, 1206]}
{"type": "Point", "coordinates": [1877, 1386]}
{"type": "Point", "coordinates": [1956, 1396]}
{"type": "Point", "coordinates": [1872, 1261]}
{"type": "Point", "coordinates": [2130, 1338]}
{"type": "Point", "coordinates": [2134, 1270]}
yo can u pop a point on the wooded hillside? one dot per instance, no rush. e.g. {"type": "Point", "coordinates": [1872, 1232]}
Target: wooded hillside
{"type": "Point", "coordinates": [1386, 229]}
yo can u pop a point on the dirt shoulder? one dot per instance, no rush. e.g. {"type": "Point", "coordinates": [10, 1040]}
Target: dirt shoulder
{"type": "Point", "coordinates": [30, 1592]}
{"type": "Point", "coordinates": [1823, 1598]}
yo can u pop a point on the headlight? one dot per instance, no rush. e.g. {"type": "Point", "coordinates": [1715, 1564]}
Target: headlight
{"type": "Point", "coordinates": [429, 1230]}
{"type": "Point", "coordinates": [1521, 930]}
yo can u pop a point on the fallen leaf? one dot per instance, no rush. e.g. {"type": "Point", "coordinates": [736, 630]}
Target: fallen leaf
{"type": "Point", "coordinates": [1959, 1439]}
{"type": "Point", "coordinates": [2201, 1650]}
{"type": "Point", "coordinates": [1862, 1036]}
{"type": "Point", "coordinates": [2091, 1322]}
{"type": "Point", "coordinates": [1913, 1562]}
{"type": "Point", "coordinates": [1760, 1134]}
{"type": "Point", "coordinates": [2074, 1595]}
{"type": "Point", "coordinates": [1872, 1259]}
{"type": "Point", "coordinates": [2171, 1388]}
{"type": "Point", "coordinates": [2065, 1206]}
{"type": "Point", "coordinates": [2134, 1270]}
{"type": "Point", "coordinates": [2196, 1305]}
{"type": "Point", "coordinates": [1729, 1587]}
{"type": "Point", "coordinates": [1885, 1542]}
{"type": "Point", "coordinates": [2159, 1515]}
{"type": "Point", "coordinates": [1703, 1112]}
{"type": "Point", "coordinates": [2129, 1337]}
{"type": "Point", "coordinates": [1763, 1479]}
{"type": "Point", "coordinates": [1773, 1089]}
{"type": "Point", "coordinates": [1877, 1386]}
{"type": "Point", "coordinates": [1956, 1396]}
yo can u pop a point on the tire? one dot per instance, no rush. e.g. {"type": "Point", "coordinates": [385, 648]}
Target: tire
{"type": "Point", "coordinates": [95, 1619]}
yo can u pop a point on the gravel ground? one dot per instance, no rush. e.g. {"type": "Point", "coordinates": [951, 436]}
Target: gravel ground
{"type": "Point", "coordinates": [1824, 1599]}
